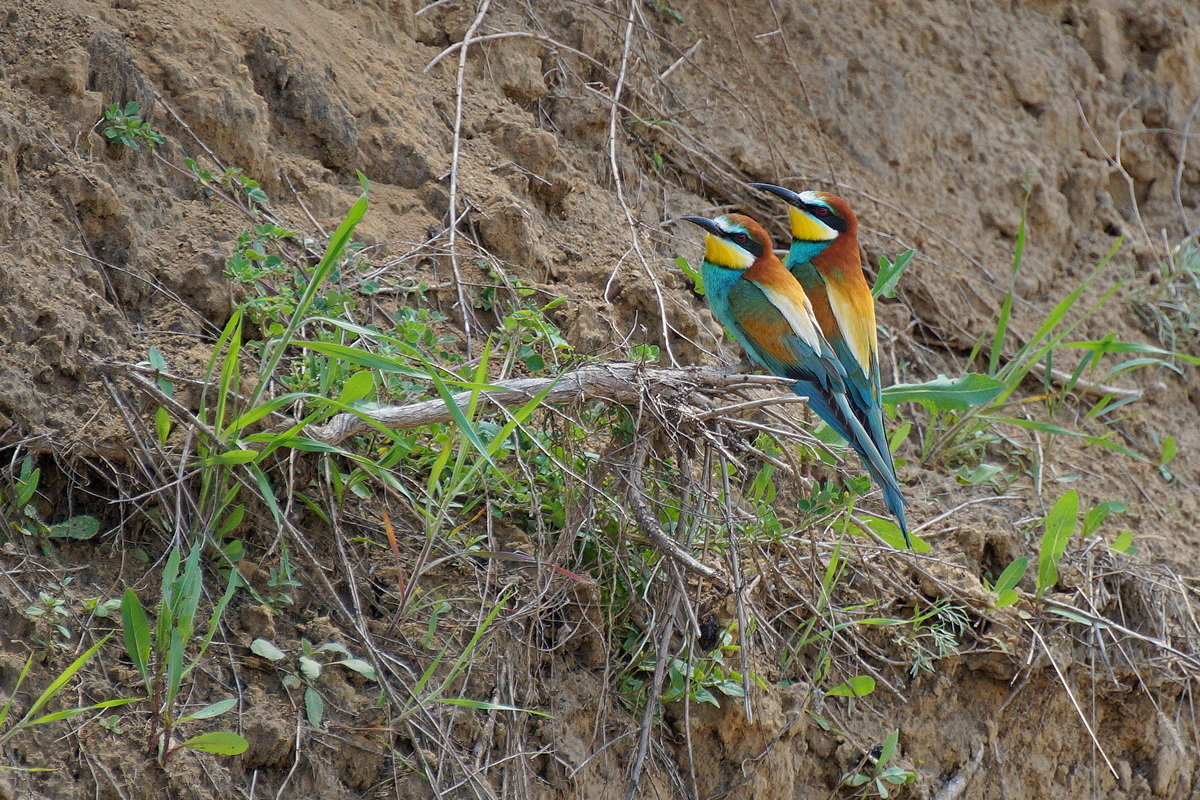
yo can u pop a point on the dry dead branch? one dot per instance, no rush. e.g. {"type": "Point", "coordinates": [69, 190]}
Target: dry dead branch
{"type": "Point", "coordinates": [625, 383]}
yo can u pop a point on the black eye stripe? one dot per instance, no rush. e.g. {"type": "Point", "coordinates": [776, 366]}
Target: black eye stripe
{"type": "Point", "coordinates": [826, 215]}
{"type": "Point", "coordinates": [746, 242]}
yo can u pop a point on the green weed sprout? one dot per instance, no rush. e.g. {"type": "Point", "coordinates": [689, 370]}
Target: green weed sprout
{"type": "Point", "coordinates": [125, 126]}
{"type": "Point", "coordinates": [164, 655]}
{"type": "Point", "coordinates": [309, 665]}
{"type": "Point", "coordinates": [881, 780]}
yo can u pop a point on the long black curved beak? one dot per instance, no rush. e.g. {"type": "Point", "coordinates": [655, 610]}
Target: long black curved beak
{"type": "Point", "coordinates": [707, 224]}
{"type": "Point", "coordinates": [787, 194]}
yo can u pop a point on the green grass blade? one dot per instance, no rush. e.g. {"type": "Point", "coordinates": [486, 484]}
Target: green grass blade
{"type": "Point", "coordinates": [484, 705]}
{"type": "Point", "coordinates": [13, 694]}
{"type": "Point", "coordinates": [1047, 427]}
{"type": "Point", "coordinates": [58, 683]}
{"type": "Point", "coordinates": [1006, 306]}
{"type": "Point", "coordinates": [457, 415]}
{"type": "Point", "coordinates": [55, 716]}
{"type": "Point", "coordinates": [331, 258]}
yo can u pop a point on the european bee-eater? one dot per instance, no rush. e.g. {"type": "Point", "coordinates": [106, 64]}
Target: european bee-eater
{"type": "Point", "coordinates": [824, 258]}
{"type": "Point", "coordinates": [766, 309]}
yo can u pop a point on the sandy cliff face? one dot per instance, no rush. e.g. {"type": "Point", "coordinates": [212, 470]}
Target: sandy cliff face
{"type": "Point", "coordinates": [937, 120]}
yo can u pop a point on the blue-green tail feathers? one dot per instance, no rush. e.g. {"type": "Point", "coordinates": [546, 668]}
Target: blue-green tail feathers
{"type": "Point", "coordinates": [836, 411]}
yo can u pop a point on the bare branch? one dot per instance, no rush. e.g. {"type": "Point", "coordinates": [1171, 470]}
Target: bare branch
{"type": "Point", "coordinates": [625, 383]}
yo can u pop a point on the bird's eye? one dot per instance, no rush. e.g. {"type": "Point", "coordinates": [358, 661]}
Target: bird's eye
{"type": "Point", "coordinates": [822, 211]}
{"type": "Point", "coordinates": [741, 238]}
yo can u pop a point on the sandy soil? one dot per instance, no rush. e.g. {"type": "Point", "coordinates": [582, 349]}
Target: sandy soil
{"type": "Point", "coordinates": [933, 119]}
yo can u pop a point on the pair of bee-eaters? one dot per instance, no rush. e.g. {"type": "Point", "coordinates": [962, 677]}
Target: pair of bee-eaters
{"type": "Point", "coordinates": [811, 320]}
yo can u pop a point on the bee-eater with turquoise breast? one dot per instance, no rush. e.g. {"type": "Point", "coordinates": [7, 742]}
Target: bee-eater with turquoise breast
{"type": "Point", "coordinates": [753, 295]}
{"type": "Point", "coordinates": [824, 258]}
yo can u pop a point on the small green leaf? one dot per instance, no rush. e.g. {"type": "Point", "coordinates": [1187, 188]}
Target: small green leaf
{"type": "Point", "coordinates": [1124, 544]}
{"type": "Point", "coordinates": [946, 394]}
{"type": "Point", "coordinates": [890, 532]}
{"type": "Point", "coordinates": [334, 647]}
{"type": "Point", "coordinates": [980, 474]}
{"type": "Point", "coordinates": [1169, 447]}
{"type": "Point", "coordinates": [266, 649]}
{"type": "Point", "coordinates": [1096, 516]}
{"type": "Point", "coordinates": [1012, 574]}
{"type": "Point", "coordinates": [692, 273]}
{"type": "Point", "coordinates": [314, 707]}
{"type": "Point", "coordinates": [858, 686]}
{"type": "Point", "coordinates": [357, 386]}
{"type": "Point", "coordinates": [310, 668]}
{"type": "Point", "coordinates": [889, 748]}
{"type": "Point", "coordinates": [232, 457]}
{"type": "Point", "coordinates": [224, 743]}
{"type": "Point", "coordinates": [137, 633]}
{"type": "Point", "coordinates": [215, 710]}
{"type": "Point", "coordinates": [232, 520]}
{"type": "Point", "coordinates": [359, 666]}
{"type": "Point", "coordinates": [162, 425]}
{"type": "Point", "coordinates": [1060, 526]}
{"type": "Point", "coordinates": [81, 527]}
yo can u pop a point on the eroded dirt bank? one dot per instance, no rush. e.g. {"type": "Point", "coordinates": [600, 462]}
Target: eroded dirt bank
{"type": "Point", "coordinates": [936, 120]}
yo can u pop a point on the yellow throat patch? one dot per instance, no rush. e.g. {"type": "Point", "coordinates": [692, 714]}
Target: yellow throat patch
{"type": "Point", "coordinates": [725, 253]}
{"type": "Point", "coordinates": [808, 229]}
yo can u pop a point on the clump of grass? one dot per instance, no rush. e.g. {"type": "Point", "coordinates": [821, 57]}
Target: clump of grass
{"type": "Point", "coordinates": [1170, 307]}
{"type": "Point", "coordinates": [962, 433]}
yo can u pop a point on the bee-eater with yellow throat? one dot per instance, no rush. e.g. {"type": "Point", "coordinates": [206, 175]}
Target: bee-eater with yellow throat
{"type": "Point", "coordinates": [824, 258]}
{"type": "Point", "coordinates": [753, 295]}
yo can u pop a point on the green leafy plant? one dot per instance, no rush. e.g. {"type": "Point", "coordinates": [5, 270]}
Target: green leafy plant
{"type": "Point", "coordinates": [1169, 307]}
{"type": "Point", "coordinates": [232, 183]}
{"type": "Point", "coordinates": [700, 677]}
{"type": "Point", "coordinates": [52, 605]}
{"type": "Point", "coordinates": [1006, 585]}
{"type": "Point", "coordinates": [125, 126]}
{"type": "Point", "coordinates": [165, 655]}
{"type": "Point", "coordinates": [22, 516]}
{"type": "Point", "coordinates": [879, 779]}
{"type": "Point", "coordinates": [1166, 455]}
{"type": "Point", "coordinates": [954, 434]}
{"type": "Point", "coordinates": [309, 665]}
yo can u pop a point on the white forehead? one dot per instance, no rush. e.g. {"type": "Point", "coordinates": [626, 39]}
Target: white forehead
{"type": "Point", "coordinates": [729, 226]}
{"type": "Point", "coordinates": [811, 197]}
